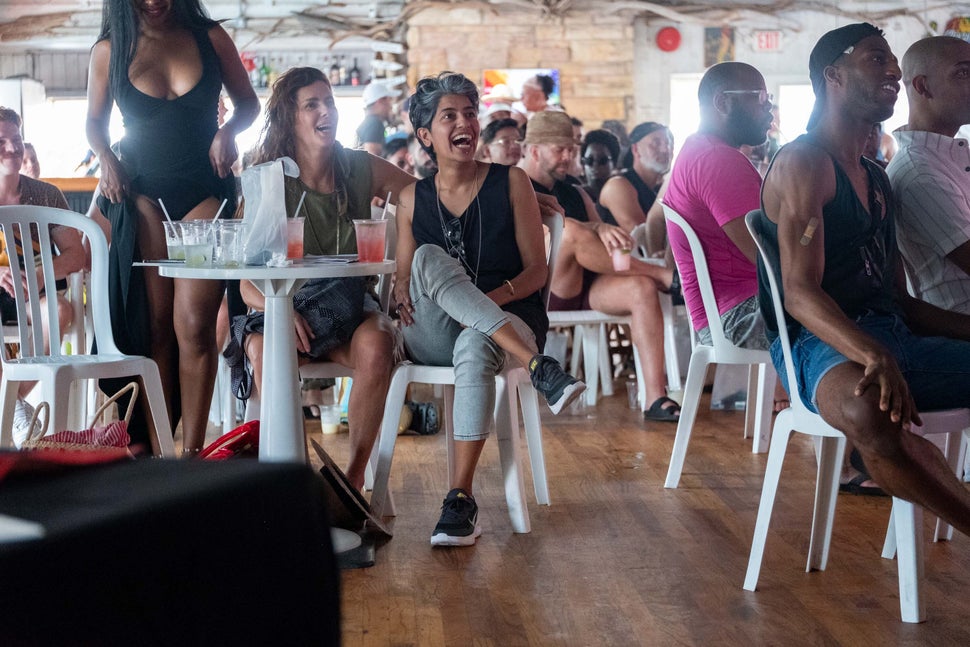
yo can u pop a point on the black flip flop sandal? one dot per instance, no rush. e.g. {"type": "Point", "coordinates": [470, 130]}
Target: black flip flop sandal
{"type": "Point", "coordinates": [660, 413]}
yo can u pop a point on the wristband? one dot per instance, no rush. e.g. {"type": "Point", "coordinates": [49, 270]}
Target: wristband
{"type": "Point", "coordinates": [511, 287]}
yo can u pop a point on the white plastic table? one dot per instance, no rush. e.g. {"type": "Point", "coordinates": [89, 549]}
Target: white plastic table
{"type": "Point", "coordinates": [281, 425]}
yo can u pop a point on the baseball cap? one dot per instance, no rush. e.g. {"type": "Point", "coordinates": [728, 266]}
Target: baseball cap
{"type": "Point", "coordinates": [829, 48]}
{"type": "Point", "coordinates": [550, 127]}
{"type": "Point", "coordinates": [377, 90]}
{"type": "Point", "coordinates": [497, 107]}
{"type": "Point", "coordinates": [644, 129]}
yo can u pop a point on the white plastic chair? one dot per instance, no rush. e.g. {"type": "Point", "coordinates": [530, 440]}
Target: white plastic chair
{"type": "Point", "coordinates": [904, 534]}
{"type": "Point", "coordinates": [590, 343]}
{"type": "Point", "coordinates": [512, 383]}
{"type": "Point", "coordinates": [54, 370]}
{"type": "Point", "coordinates": [762, 378]}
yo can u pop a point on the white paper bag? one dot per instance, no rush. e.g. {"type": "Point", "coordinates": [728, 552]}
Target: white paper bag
{"type": "Point", "coordinates": [265, 211]}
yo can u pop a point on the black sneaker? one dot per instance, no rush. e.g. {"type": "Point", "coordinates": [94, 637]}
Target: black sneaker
{"type": "Point", "coordinates": [458, 525]}
{"type": "Point", "coordinates": [556, 385]}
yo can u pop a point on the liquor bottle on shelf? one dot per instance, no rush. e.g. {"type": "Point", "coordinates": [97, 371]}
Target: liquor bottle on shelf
{"type": "Point", "coordinates": [264, 72]}
{"type": "Point", "coordinates": [344, 78]}
{"type": "Point", "coordinates": [355, 74]}
{"type": "Point", "coordinates": [334, 72]}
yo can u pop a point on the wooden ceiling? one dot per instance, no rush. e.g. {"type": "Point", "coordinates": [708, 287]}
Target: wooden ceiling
{"type": "Point", "coordinates": [30, 25]}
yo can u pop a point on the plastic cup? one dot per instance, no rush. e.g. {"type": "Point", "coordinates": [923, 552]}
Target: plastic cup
{"type": "Point", "coordinates": [173, 240]}
{"type": "Point", "coordinates": [632, 394]}
{"type": "Point", "coordinates": [228, 243]}
{"type": "Point", "coordinates": [294, 237]}
{"type": "Point", "coordinates": [621, 259]}
{"type": "Point", "coordinates": [370, 240]}
{"type": "Point", "coordinates": [330, 418]}
{"type": "Point", "coordinates": [197, 239]}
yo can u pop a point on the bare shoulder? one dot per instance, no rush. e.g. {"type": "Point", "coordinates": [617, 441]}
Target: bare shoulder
{"type": "Point", "coordinates": [800, 169]}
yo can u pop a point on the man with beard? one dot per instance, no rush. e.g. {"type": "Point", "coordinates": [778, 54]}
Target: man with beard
{"type": "Point", "coordinates": [424, 166]}
{"type": "Point", "coordinates": [827, 222]}
{"type": "Point", "coordinates": [713, 185]}
{"type": "Point", "coordinates": [584, 278]}
{"type": "Point", "coordinates": [626, 198]}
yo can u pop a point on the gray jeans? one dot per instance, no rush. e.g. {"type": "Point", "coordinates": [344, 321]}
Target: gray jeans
{"type": "Point", "coordinates": [453, 325]}
{"type": "Point", "coordinates": [743, 325]}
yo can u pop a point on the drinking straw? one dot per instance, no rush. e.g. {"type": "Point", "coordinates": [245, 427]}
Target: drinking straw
{"type": "Point", "coordinates": [387, 202]}
{"type": "Point", "coordinates": [221, 207]}
{"type": "Point", "coordinates": [299, 205]}
{"type": "Point", "coordinates": [164, 210]}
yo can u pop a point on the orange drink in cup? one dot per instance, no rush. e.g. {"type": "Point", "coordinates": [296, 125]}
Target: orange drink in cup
{"type": "Point", "coordinates": [370, 240]}
{"type": "Point", "coordinates": [294, 237]}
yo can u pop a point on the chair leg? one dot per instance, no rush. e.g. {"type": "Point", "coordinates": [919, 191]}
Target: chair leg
{"type": "Point", "coordinates": [162, 443]}
{"type": "Point", "coordinates": [380, 499]}
{"type": "Point", "coordinates": [448, 397]}
{"type": "Point", "coordinates": [529, 402]}
{"type": "Point", "coordinates": [507, 434]}
{"type": "Point", "coordinates": [763, 407]}
{"type": "Point", "coordinates": [591, 351]}
{"type": "Point", "coordinates": [671, 358]}
{"type": "Point", "coordinates": [8, 397]}
{"type": "Point", "coordinates": [605, 362]}
{"type": "Point", "coordinates": [749, 411]}
{"type": "Point", "coordinates": [908, 524]}
{"type": "Point", "coordinates": [776, 458]}
{"type": "Point", "coordinates": [696, 372]}
{"type": "Point", "coordinates": [831, 451]}
{"type": "Point", "coordinates": [955, 454]}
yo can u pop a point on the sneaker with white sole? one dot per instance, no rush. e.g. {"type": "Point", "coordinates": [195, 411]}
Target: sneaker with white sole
{"type": "Point", "coordinates": [23, 413]}
{"type": "Point", "coordinates": [557, 386]}
{"type": "Point", "coordinates": [458, 525]}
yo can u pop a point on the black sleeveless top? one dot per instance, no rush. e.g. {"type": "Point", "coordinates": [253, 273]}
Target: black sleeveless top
{"type": "Point", "coordinates": [487, 231]}
{"type": "Point", "coordinates": [165, 149]}
{"type": "Point", "coordinates": [860, 251]}
{"type": "Point", "coordinates": [645, 197]}
{"type": "Point", "coordinates": [568, 196]}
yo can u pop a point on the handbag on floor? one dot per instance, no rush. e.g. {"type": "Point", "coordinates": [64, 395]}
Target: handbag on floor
{"type": "Point", "coordinates": [111, 437]}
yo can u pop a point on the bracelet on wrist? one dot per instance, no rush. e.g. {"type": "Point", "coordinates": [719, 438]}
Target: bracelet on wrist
{"type": "Point", "coordinates": [511, 287]}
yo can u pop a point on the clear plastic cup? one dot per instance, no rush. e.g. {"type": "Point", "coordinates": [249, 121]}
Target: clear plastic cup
{"type": "Point", "coordinates": [632, 394]}
{"type": "Point", "coordinates": [621, 259]}
{"type": "Point", "coordinates": [197, 239]}
{"type": "Point", "coordinates": [294, 237]}
{"type": "Point", "coordinates": [173, 240]}
{"type": "Point", "coordinates": [228, 243]}
{"type": "Point", "coordinates": [370, 240]}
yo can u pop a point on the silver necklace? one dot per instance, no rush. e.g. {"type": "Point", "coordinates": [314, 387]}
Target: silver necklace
{"type": "Point", "coordinates": [455, 241]}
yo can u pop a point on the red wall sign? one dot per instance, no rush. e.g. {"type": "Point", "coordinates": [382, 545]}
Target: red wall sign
{"type": "Point", "coordinates": [767, 41]}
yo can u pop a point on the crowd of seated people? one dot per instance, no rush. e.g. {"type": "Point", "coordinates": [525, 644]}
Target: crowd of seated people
{"type": "Point", "coordinates": [470, 182]}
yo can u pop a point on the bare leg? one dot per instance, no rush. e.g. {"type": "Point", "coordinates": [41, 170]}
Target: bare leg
{"type": "Point", "coordinates": [370, 353]}
{"type": "Point", "coordinates": [637, 297]}
{"type": "Point", "coordinates": [580, 245]}
{"type": "Point", "coordinates": [197, 306]}
{"type": "Point", "coordinates": [161, 291]}
{"type": "Point", "coordinates": [467, 453]}
{"type": "Point", "coordinates": [904, 464]}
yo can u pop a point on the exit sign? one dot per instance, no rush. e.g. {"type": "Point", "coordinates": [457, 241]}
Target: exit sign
{"type": "Point", "coordinates": [767, 41]}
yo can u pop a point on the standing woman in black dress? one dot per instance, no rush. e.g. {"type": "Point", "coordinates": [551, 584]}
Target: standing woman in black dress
{"type": "Point", "coordinates": [165, 62]}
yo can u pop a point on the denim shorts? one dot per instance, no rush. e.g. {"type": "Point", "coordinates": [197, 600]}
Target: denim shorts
{"type": "Point", "coordinates": [937, 369]}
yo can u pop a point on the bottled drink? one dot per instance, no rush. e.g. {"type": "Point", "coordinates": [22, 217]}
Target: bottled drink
{"type": "Point", "coordinates": [334, 72]}
{"type": "Point", "coordinates": [264, 72]}
{"type": "Point", "coordinates": [344, 78]}
{"type": "Point", "coordinates": [355, 74]}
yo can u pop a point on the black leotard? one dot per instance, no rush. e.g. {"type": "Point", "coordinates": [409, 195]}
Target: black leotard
{"type": "Point", "coordinates": [166, 145]}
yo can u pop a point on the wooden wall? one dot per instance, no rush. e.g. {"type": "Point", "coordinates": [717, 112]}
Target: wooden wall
{"type": "Point", "coordinates": [62, 73]}
{"type": "Point", "coordinates": [594, 54]}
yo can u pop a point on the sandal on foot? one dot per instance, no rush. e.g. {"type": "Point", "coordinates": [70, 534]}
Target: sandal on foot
{"type": "Point", "coordinates": [660, 413]}
{"type": "Point", "coordinates": [855, 486]}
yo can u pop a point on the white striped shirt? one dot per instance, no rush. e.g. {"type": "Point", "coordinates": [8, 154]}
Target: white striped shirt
{"type": "Point", "coordinates": [930, 176]}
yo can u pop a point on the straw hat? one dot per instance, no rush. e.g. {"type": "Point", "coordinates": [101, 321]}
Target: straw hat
{"type": "Point", "coordinates": [550, 127]}
{"type": "Point", "coordinates": [500, 93]}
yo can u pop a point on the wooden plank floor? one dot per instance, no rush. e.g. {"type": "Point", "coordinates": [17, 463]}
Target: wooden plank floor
{"type": "Point", "coordinates": [618, 560]}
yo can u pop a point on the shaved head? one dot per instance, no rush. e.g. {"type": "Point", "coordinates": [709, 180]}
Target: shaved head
{"type": "Point", "coordinates": [936, 72]}
{"type": "Point", "coordinates": [723, 76]}
{"type": "Point", "coordinates": [926, 56]}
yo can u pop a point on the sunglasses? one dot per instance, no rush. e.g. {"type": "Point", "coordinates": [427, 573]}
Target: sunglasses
{"type": "Point", "coordinates": [763, 95]}
{"type": "Point", "coordinates": [589, 160]}
{"type": "Point", "coordinates": [454, 232]}
{"type": "Point", "coordinates": [506, 142]}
